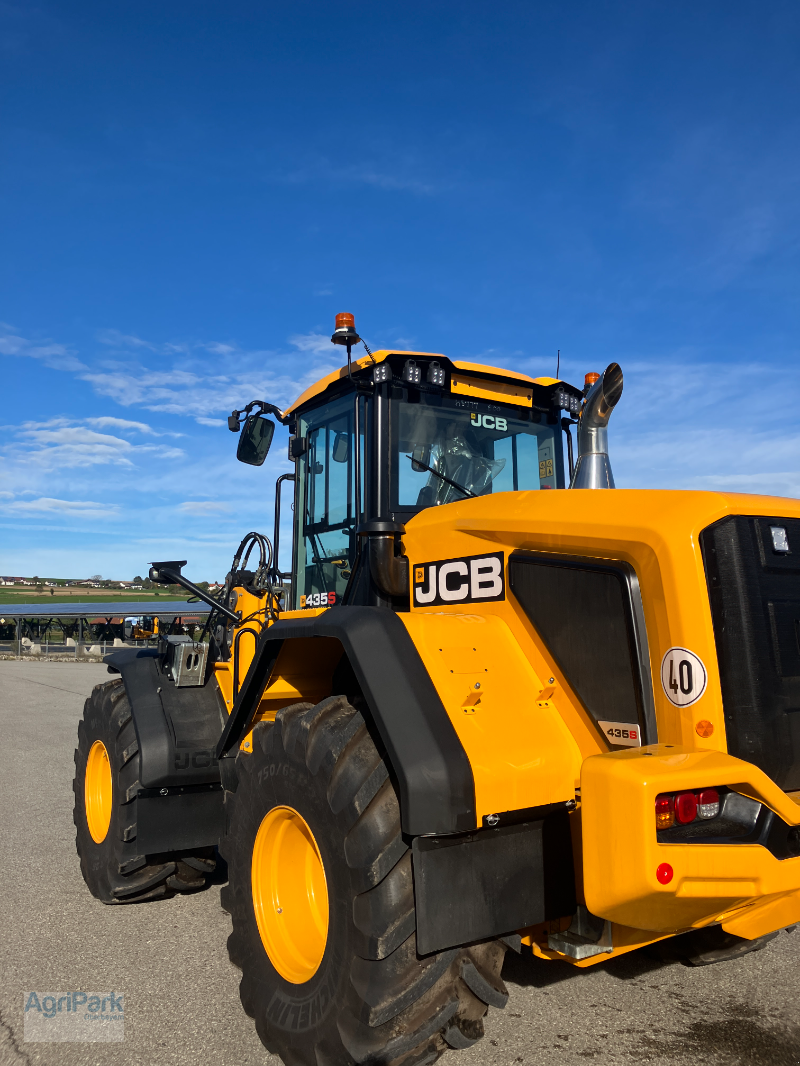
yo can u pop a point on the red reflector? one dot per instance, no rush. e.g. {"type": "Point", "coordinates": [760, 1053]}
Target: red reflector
{"type": "Point", "coordinates": [664, 873]}
{"type": "Point", "coordinates": [685, 807]}
{"type": "Point", "coordinates": [665, 811]}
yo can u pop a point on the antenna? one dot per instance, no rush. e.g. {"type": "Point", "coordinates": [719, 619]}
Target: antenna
{"type": "Point", "coordinates": [558, 363]}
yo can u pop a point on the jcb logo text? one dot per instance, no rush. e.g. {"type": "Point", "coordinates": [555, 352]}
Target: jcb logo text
{"type": "Point", "coordinates": [488, 421]}
{"type": "Point", "coordinates": [467, 580]}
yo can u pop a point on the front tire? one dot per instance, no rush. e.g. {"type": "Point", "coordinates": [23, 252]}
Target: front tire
{"type": "Point", "coordinates": [359, 992]}
{"type": "Point", "coordinates": [106, 786]}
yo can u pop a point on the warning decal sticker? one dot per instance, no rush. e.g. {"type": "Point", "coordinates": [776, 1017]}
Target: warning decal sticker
{"type": "Point", "coordinates": [683, 677]}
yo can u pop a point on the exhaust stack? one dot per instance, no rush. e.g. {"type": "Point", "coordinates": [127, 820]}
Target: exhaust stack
{"type": "Point", "coordinates": [593, 469]}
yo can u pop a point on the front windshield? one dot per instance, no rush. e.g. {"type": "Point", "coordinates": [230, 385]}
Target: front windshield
{"type": "Point", "coordinates": [444, 449]}
{"type": "Point", "coordinates": [454, 452]}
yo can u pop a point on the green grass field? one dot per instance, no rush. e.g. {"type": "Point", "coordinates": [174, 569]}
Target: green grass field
{"type": "Point", "coordinates": [111, 597]}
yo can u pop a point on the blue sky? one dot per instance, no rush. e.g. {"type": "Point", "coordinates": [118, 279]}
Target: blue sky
{"type": "Point", "coordinates": [190, 191]}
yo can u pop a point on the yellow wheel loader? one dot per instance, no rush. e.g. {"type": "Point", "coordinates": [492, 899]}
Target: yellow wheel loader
{"type": "Point", "coordinates": [496, 708]}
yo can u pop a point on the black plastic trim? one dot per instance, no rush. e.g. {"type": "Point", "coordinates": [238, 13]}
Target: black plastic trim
{"type": "Point", "coordinates": [176, 727]}
{"type": "Point", "coordinates": [179, 822]}
{"type": "Point", "coordinates": [492, 882]}
{"type": "Point", "coordinates": [754, 593]}
{"type": "Point", "coordinates": [525, 814]}
{"type": "Point", "coordinates": [433, 773]}
{"type": "Point", "coordinates": [741, 821]}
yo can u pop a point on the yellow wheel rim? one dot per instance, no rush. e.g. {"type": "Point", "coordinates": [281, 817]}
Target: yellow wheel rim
{"type": "Point", "coordinates": [290, 894]}
{"type": "Point", "coordinates": [97, 789]}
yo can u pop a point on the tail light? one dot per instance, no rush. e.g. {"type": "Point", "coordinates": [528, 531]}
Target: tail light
{"type": "Point", "coordinates": [683, 808]}
{"type": "Point", "coordinates": [708, 803]}
{"type": "Point", "coordinates": [665, 812]}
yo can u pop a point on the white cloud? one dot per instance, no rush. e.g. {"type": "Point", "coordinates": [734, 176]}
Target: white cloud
{"type": "Point", "coordinates": [75, 508]}
{"type": "Point", "coordinates": [204, 507]}
{"type": "Point", "coordinates": [107, 422]}
{"type": "Point", "coordinates": [388, 171]}
{"type": "Point", "coordinates": [55, 356]}
{"type": "Point", "coordinates": [185, 381]}
{"type": "Point", "coordinates": [115, 339]}
{"type": "Point", "coordinates": [40, 449]}
{"type": "Point", "coordinates": [691, 424]}
{"type": "Point", "coordinates": [318, 343]}
{"type": "Point", "coordinates": [220, 349]}
{"type": "Point", "coordinates": [188, 389]}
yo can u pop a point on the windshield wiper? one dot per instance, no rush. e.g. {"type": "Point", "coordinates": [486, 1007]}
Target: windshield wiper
{"type": "Point", "coordinates": [446, 480]}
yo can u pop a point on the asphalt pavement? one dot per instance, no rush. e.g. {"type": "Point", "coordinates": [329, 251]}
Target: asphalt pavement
{"type": "Point", "coordinates": [169, 961]}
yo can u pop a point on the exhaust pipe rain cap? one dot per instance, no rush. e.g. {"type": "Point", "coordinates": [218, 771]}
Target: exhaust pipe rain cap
{"type": "Point", "coordinates": [593, 469]}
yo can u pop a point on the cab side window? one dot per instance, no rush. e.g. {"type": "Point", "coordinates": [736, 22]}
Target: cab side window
{"type": "Point", "coordinates": [325, 514]}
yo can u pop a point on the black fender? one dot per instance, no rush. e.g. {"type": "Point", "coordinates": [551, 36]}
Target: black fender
{"type": "Point", "coordinates": [431, 768]}
{"type": "Point", "coordinates": [177, 728]}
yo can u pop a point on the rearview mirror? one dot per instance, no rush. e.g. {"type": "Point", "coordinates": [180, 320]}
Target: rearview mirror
{"type": "Point", "coordinates": [255, 440]}
{"type": "Point", "coordinates": [341, 448]}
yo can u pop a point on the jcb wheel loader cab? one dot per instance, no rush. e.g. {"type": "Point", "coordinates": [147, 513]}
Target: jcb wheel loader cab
{"type": "Point", "coordinates": [322, 903]}
{"type": "Point", "coordinates": [430, 432]}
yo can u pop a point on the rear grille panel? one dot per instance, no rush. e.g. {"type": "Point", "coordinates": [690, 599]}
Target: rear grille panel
{"type": "Point", "coordinates": [589, 614]}
{"type": "Point", "coordinates": [755, 606]}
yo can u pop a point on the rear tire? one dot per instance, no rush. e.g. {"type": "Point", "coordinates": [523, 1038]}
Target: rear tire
{"type": "Point", "coordinates": [372, 998]}
{"type": "Point", "coordinates": [110, 861]}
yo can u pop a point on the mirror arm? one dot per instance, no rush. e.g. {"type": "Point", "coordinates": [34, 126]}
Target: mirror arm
{"type": "Point", "coordinates": [166, 574]}
{"type": "Point", "coordinates": [235, 417]}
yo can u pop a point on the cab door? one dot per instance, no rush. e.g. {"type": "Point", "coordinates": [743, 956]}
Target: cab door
{"type": "Point", "coordinates": [324, 506]}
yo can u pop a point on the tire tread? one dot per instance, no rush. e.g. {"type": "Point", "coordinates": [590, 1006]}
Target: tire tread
{"type": "Point", "coordinates": [114, 870]}
{"type": "Point", "coordinates": [403, 1009]}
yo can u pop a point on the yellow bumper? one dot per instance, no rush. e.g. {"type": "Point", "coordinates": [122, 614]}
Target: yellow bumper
{"type": "Point", "coordinates": [743, 886]}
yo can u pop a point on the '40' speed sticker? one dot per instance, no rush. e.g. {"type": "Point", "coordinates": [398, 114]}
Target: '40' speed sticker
{"type": "Point", "coordinates": [683, 676]}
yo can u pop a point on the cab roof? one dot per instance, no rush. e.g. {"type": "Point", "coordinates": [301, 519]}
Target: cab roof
{"type": "Point", "coordinates": [511, 377]}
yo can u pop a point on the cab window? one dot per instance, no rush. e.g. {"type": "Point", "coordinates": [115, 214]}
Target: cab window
{"type": "Point", "coordinates": [324, 513]}
{"type": "Point", "coordinates": [449, 452]}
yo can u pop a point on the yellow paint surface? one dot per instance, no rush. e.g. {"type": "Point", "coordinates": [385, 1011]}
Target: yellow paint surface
{"type": "Point", "coordinates": [490, 689]}
{"type": "Point", "coordinates": [500, 391]}
{"type": "Point", "coordinates": [621, 854]}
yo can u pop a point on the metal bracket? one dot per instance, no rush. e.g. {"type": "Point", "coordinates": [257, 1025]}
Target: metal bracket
{"type": "Point", "coordinates": [587, 935]}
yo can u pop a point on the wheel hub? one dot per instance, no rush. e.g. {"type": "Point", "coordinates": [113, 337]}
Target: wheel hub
{"type": "Point", "coordinates": [290, 894]}
{"type": "Point", "coordinates": [98, 792]}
